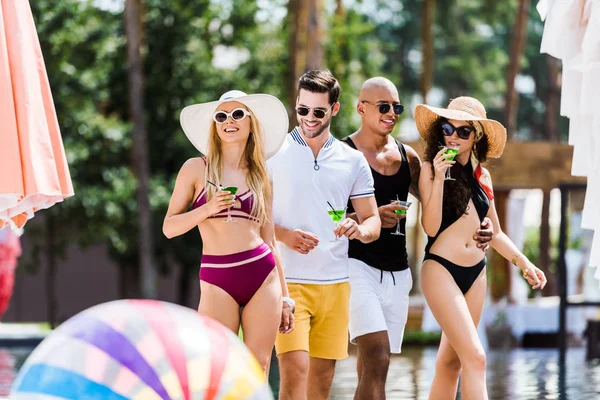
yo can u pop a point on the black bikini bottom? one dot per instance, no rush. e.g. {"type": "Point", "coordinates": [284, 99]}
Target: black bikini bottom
{"type": "Point", "coordinates": [463, 276]}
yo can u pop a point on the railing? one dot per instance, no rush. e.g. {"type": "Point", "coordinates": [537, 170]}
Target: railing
{"type": "Point", "coordinates": [565, 189]}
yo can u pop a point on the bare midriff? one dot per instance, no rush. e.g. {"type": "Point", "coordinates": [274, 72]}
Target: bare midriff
{"type": "Point", "coordinates": [219, 238]}
{"type": "Point", "coordinates": [456, 243]}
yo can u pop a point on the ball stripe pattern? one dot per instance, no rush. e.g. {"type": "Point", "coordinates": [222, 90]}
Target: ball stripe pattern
{"type": "Point", "coordinates": [162, 323]}
{"type": "Point", "coordinates": [141, 350]}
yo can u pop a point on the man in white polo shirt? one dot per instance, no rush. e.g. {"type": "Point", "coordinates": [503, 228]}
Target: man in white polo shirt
{"type": "Point", "coordinates": [314, 174]}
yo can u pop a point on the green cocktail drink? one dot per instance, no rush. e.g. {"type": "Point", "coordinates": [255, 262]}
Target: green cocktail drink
{"type": "Point", "coordinates": [451, 152]}
{"type": "Point", "coordinates": [230, 189]}
{"type": "Point", "coordinates": [233, 190]}
{"type": "Point", "coordinates": [404, 204]}
{"type": "Point", "coordinates": [336, 215]}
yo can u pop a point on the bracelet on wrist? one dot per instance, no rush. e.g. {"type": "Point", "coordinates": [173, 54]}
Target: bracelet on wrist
{"type": "Point", "coordinates": [290, 302]}
{"type": "Point", "coordinates": [515, 259]}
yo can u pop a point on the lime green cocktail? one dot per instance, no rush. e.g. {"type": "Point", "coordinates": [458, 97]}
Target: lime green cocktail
{"type": "Point", "coordinates": [406, 204]}
{"type": "Point", "coordinates": [450, 154]}
{"type": "Point", "coordinates": [336, 216]}
{"type": "Point", "coordinates": [233, 190]}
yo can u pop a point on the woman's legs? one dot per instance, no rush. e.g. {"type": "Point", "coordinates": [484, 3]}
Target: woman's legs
{"type": "Point", "coordinates": [448, 368]}
{"type": "Point", "coordinates": [260, 319]}
{"type": "Point", "coordinates": [219, 305]}
{"type": "Point", "coordinates": [457, 316]}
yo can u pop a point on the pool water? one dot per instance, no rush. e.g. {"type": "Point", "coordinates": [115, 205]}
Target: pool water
{"type": "Point", "coordinates": [517, 374]}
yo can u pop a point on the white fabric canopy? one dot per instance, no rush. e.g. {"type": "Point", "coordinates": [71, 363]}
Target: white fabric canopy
{"type": "Point", "coordinates": [572, 34]}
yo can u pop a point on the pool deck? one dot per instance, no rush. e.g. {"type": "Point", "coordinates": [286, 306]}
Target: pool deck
{"type": "Point", "coordinates": [21, 335]}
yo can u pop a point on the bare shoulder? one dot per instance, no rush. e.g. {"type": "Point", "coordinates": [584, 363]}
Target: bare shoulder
{"type": "Point", "coordinates": [411, 153]}
{"type": "Point", "coordinates": [193, 168]}
{"type": "Point", "coordinates": [194, 163]}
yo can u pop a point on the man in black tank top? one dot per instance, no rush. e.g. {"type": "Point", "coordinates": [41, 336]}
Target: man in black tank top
{"type": "Point", "coordinates": [380, 277]}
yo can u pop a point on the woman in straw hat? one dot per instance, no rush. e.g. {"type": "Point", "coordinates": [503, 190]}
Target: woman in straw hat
{"type": "Point", "coordinates": [453, 273]}
{"type": "Point", "coordinates": [241, 266]}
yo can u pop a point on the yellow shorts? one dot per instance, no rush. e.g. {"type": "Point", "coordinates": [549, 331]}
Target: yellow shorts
{"type": "Point", "coordinates": [321, 321]}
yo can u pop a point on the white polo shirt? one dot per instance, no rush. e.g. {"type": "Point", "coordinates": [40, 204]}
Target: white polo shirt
{"type": "Point", "coordinates": [302, 186]}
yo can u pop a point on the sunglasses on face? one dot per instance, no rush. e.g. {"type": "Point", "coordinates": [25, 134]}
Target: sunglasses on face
{"type": "Point", "coordinates": [384, 108]}
{"type": "Point", "coordinates": [463, 132]}
{"type": "Point", "coordinates": [236, 115]}
{"type": "Point", "coordinates": [317, 112]}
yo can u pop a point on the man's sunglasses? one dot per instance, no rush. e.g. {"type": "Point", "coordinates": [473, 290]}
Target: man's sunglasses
{"type": "Point", "coordinates": [384, 108]}
{"type": "Point", "coordinates": [237, 115]}
{"type": "Point", "coordinates": [317, 112]}
{"type": "Point", "coordinates": [463, 132]}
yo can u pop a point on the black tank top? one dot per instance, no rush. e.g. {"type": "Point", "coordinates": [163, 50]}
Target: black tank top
{"type": "Point", "coordinates": [388, 253]}
{"type": "Point", "coordinates": [478, 195]}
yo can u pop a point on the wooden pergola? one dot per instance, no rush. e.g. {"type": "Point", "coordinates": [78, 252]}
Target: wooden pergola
{"type": "Point", "coordinates": [524, 165]}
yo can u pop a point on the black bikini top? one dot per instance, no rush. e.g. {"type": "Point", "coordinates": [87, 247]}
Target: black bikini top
{"type": "Point", "coordinates": [480, 198]}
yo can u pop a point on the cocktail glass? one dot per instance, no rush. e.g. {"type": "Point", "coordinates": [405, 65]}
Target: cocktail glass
{"type": "Point", "coordinates": [233, 190]}
{"type": "Point", "coordinates": [337, 215]}
{"type": "Point", "coordinates": [450, 153]}
{"type": "Point", "coordinates": [404, 204]}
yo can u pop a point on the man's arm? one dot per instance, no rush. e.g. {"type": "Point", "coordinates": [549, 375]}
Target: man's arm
{"type": "Point", "coordinates": [485, 234]}
{"type": "Point", "coordinates": [296, 239]}
{"type": "Point", "coordinates": [414, 165]}
{"type": "Point", "coordinates": [367, 227]}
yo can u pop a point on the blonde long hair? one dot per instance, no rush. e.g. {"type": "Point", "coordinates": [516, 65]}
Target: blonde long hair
{"type": "Point", "coordinates": [257, 177]}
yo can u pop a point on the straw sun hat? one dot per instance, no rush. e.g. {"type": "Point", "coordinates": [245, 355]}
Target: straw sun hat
{"type": "Point", "coordinates": [270, 113]}
{"type": "Point", "coordinates": [463, 109]}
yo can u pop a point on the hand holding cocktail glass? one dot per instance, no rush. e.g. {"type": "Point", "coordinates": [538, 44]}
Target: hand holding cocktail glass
{"type": "Point", "coordinates": [224, 198]}
{"type": "Point", "coordinates": [336, 214]}
{"type": "Point", "coordinates": [400, 210]}
{"type": "Point", "coordinates": [444, 160]}
{"type": "Point", "coordinates": [343, 226]}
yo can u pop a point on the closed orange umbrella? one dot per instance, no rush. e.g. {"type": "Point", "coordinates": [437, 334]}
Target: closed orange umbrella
{"type": "Point", "coordinates": [33, 169]}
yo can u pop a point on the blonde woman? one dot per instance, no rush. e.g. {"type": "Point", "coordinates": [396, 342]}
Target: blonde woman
{"type": "Point", "coordinates": [241, 266]}
{"type": "Point", "coordinates": [453, 273]}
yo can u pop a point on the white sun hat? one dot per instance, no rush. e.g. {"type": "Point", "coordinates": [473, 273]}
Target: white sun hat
{"type": "Point", "coordinates": [268, 110]}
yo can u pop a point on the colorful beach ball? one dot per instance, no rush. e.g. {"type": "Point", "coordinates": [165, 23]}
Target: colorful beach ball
{"type": "Point", "coordinates": [140, 350]}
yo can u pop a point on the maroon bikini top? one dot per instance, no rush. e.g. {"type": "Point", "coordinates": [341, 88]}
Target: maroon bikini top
{"type": "Point", "coordinates": [241, 209]}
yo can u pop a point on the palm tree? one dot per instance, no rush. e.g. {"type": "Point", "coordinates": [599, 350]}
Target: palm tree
{"type": "Point", "coordinates": [133, 32]}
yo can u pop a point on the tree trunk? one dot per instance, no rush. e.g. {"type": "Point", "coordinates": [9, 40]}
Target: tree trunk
{"type": "Point", "coordinates": [51, 299]}
{"type": "Point", "coordinates": [551, 133]}
{"type": "Point", "coordinates": [133, 30]}
{"type": "Point", "coordinates": [129, 282]}
{"type": "Point", "coordinates": [427, 39]}
{"type": "Point", "coordinates": [298, 20]}
{"type": "Point", "coordinates": [517, 46]}
{"type": "Point", "coordinates": [498, 266]}
{"type": "Point", "coordinates": [545, 261]}
{"type": "Point", "coordinates": [340, 10]}
{"type": "Point", "coordinates": [552, 99]}
{"type": "Point", "coordinates": [315, 50]}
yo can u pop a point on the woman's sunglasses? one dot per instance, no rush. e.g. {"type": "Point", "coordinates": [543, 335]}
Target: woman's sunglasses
{"type": "Point", "coordinates": [384, 108]}
{"type": "Point", "coordinates": [237, 115]}
{"type": "Point", "coordinates": [317, 112]}
{"type": "Point", "coordinates": [463, 132]}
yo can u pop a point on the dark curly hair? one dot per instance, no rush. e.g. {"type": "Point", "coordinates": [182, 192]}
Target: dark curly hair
{"type": "Point", "coordinates": [458, 192]}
